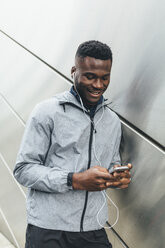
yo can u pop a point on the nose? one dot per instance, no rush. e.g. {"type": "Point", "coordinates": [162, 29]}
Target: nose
{"type": "Point", "coordinates": [98, 83]}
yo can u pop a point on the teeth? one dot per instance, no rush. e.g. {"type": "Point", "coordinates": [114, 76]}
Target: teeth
{"type": "Point", "coordinates": [95, 93]}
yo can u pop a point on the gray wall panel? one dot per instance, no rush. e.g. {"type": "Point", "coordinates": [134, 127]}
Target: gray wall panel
{"type": "Point", "coordinates": [4, 229]}
{"type": "Point", "coordinates": [13, 205]}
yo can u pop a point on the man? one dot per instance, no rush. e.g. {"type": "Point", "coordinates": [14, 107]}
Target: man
{"type": "Point", "coordinates": [70, 143]}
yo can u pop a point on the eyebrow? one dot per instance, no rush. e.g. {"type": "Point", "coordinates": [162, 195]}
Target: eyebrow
{"type": "Point", "coordinates": [91, 73]}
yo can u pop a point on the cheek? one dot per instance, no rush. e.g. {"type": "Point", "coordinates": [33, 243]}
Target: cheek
{"type": "Point", "coordinates": [80, 88]}
{"type": "Point", "coordinates": [106, 84]}
{"type": "Point", "coordinates": [82, 84]}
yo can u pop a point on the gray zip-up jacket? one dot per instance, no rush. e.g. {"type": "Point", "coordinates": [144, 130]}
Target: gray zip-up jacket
{"type": "Point", "coordinates": [59, 138]}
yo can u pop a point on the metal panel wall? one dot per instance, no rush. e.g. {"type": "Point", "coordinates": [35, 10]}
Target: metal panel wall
{"type": "Point", "coordinates": [53, 30]}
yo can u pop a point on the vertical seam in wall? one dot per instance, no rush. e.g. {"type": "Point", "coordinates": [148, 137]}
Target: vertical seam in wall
{"type": "Point", "coordinates": [12, 110]}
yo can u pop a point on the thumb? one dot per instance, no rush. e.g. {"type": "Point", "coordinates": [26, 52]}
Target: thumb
{"type": "Point", "coordinates": [129, 165]}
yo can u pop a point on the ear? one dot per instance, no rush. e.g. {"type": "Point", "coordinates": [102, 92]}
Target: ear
{"type": "Point", "coordinates": [73, 69]}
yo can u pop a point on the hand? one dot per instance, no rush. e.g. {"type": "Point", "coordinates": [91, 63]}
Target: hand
{"type": "Point", "coordinates": [121, 179]}
{"type": "Point", "coordinates": [93, 179]}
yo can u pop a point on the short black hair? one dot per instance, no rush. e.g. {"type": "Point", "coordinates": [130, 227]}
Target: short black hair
{"type": "Point", "coordinates": [94, 49]}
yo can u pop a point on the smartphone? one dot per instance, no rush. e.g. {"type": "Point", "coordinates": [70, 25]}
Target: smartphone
{"type": "Point", "coordinates": [118, 169]}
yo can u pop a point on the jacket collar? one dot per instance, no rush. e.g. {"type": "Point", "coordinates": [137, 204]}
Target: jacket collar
{"type": "Point", "coordinates": [68, 98]}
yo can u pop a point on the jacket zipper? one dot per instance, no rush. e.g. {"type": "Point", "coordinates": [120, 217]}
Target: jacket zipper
{"type": "Point", "coordinates": [89, 162]}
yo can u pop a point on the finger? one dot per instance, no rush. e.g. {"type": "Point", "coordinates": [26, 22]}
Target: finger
{"type": "Point", "coordinates": [104, 175]}
{"type": "Point", "coordinates": [129, 165]}
{"type": "Point", "coordinates": [100, 181]}
{"type": "Point", "coordinates": [126, 174]}
{"type": "Point", "coordinates": [113, 184]}
{"type": "Point", "coordinates": [117, 175]}
{"type": "Point", "coordinates": [125, 181]}
{"type": "Point", "coordinates": [102, 187]}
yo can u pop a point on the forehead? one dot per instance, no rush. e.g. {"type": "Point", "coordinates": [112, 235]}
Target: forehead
{"type": "Point", "coordinates": [92, 64]}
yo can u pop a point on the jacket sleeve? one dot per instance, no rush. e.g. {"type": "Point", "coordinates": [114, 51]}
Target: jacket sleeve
{"type": "Point", "coordinates": [30, 170]}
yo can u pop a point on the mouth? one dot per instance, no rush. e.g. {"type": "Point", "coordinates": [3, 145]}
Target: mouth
{"type": "Point", "coordinates": [95, 93]}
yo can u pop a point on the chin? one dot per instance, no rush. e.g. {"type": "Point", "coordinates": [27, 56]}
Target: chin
{"type": "Point", "coordinates": [92, 101]}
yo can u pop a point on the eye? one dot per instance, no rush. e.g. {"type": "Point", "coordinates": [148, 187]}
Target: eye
{"type": "Point", "coordinates": [105, 77]}
{"type": "Point", "coordinates": [90, 76]}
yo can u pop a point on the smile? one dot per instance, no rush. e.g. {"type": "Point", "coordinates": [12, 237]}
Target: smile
{"type": "Point", "coordinates": [95, 93]}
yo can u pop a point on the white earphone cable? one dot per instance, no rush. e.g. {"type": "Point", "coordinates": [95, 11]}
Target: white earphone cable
{"type": "Point", "coordinates": [104, 194]}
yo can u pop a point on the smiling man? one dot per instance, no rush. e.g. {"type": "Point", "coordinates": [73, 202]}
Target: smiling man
{"type": "Point", "coordinates": [70, 143]}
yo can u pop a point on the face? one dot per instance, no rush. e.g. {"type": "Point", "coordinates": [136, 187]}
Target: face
{"type": "Point", "coordinates": [92, 77]}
